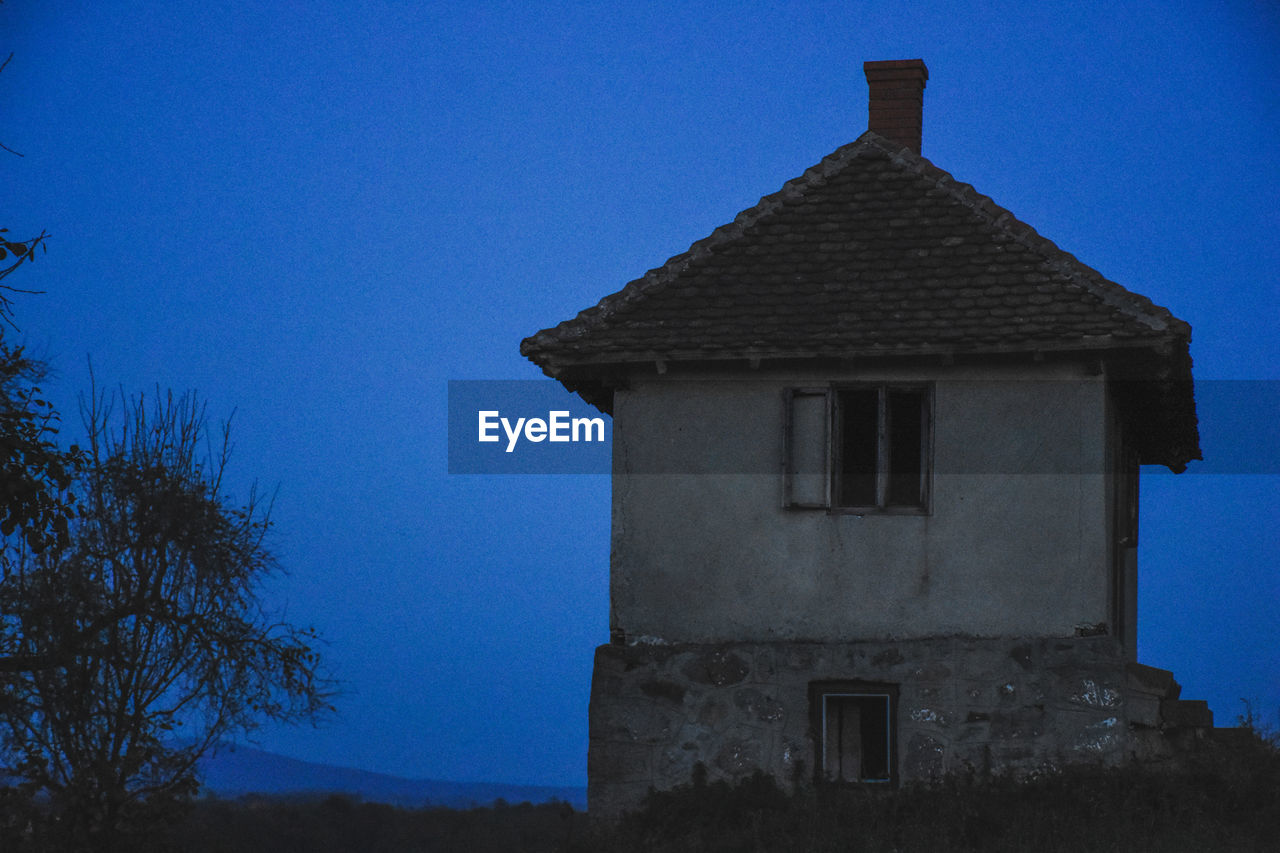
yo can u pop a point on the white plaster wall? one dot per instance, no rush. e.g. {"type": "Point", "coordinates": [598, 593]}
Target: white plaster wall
{"type": "Point", "coordinates": [703, 550]}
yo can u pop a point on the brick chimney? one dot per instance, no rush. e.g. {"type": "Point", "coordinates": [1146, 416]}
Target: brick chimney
{"type": "Point", "coordinates": [897, 99]}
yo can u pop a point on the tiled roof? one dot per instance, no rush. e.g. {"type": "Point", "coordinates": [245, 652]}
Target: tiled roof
{"type": "Point", "coordinates": [876, 252]}
{"type": "Point", "coordinates": [873, 251]}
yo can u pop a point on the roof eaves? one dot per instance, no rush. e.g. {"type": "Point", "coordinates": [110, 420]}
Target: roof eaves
{"type": "Point", "coordinates": [1094, 343]}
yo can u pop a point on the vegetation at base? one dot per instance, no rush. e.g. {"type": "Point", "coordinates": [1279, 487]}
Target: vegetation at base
{"type": "Point", "coordinates": [1223, 798]}
{"type": "Point", "coordinates": [339, 824]}
{"type": "Point", "coordinates": [1226, 797]}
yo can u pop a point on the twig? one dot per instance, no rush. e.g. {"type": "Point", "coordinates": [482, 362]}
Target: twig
{"type": "Point", "coordinates": [2, 145]}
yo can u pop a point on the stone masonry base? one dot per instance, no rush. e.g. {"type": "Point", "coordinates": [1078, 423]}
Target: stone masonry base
{"type": "Point", "coordinates": [963, 704]}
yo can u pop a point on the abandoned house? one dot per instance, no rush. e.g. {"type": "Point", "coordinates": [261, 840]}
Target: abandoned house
{"type": "Point", "coordinates": [875, 469]}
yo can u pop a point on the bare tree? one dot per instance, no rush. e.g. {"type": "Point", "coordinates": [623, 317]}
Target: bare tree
{"type": "Point", "coordinates": [141, 640]}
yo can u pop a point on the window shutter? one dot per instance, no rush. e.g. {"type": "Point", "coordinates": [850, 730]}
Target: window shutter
{"type": "Point", "coordinates": [806, 443]}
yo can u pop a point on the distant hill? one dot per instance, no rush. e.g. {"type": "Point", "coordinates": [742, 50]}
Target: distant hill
{"type": "Point", "coordinates": [240, 770]}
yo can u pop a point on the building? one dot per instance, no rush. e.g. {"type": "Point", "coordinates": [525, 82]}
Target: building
{"type": "Point", "coordinates": [876, 448]}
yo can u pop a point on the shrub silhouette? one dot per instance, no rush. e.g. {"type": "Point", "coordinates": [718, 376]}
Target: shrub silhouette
{"type": "Point", "coordinates": [1224, 797]}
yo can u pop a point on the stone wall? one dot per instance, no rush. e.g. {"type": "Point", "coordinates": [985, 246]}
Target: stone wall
{"type": "Point", "coordinates": [964, 704]}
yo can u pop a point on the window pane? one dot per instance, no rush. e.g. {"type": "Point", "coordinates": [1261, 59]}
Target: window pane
{"type": "Point", "coordinates": [843, 756]}
{"type": "Point", "coordinates": [875, 738]}
{"type": "Point", "coordinates": [906, 438]}
{"type": "Point", "coordinates": [859, 426]}
{"type": "Point", "coordinates": [855, 738]}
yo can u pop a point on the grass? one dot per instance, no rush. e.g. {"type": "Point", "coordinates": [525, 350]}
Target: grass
{"type": "Point", "coordinates": [1225, 797]}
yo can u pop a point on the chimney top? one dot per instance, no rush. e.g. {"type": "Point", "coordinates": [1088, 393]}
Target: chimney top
{"type": "Point", "coordinates": [896, 104]}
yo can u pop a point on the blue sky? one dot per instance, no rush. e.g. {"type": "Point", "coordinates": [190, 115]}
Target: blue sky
{"type": "Point", "coordinates": [317, 214]}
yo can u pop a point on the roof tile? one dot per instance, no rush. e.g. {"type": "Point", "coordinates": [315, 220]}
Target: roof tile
{"type": "Point", "coordinates": [873, 250]}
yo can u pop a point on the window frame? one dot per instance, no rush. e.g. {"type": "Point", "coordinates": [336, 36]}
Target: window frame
{"type": "Point", "coordinates": [835, 396]}
{"type": "Point", "coordinates": [883, 441]}
{"type": "Point", "coordinates": [819, 693]}
{"type": "Point", "coordinates": [790, 453]}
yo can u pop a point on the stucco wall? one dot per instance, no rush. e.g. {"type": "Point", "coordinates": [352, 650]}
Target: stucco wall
{"type": "Point", "coordinates": [1015, 542]}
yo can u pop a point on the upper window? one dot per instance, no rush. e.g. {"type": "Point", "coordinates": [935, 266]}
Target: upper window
{"type": "Point", "coordinates": [859, 447]}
